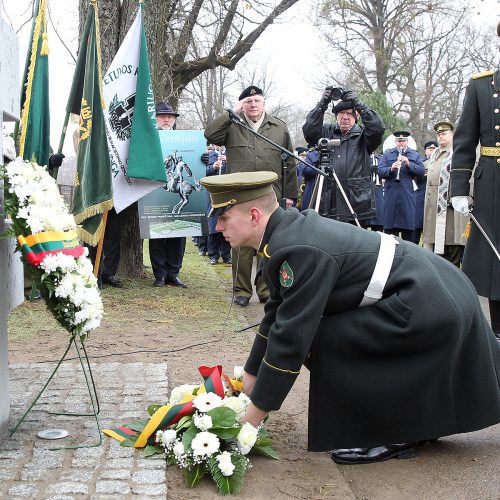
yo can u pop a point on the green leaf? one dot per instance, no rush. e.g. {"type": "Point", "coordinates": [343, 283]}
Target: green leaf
{"type": "Point", "coordinates": [153, 408]}
{"type": "Point", "coordinates": [222, 417]}
{"type": "Point", "coordinates": [267, 451]}
{"type": "Point", "coordinates": [188, 436]}
{"type": "Point", "coordinates": [184, 423]}
{"type": "Point", "coordinates": [194, 474]}
{"type": "Point", "coordinates": [138, 425]}
{"type": "Point", "coordinates": [151, 450]}
{"type": "Point", "coordinates": [225, 433]}
{"type": "Point", "coordinates": [228, 485]}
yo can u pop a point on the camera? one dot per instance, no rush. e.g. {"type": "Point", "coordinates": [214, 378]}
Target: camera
{"type": "Point", "coordinates": [328, 144]}
{"type": "Point", "coordinates": [337, 93]}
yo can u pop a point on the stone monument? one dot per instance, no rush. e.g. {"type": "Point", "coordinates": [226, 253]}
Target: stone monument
{"type": "Point", "coordinates": [11, 271]}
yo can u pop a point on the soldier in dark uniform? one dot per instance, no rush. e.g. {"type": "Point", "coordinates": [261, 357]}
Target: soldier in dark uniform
{"type": "Point", "coordinates": [480, 122]}
{"type": "Point", "coordinates": [389, 361]}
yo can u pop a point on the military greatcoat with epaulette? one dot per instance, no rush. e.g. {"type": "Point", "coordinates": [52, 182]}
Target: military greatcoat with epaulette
{"type": "Point", "coordinates": [420, 363]}
{"type": "Point", "coordinates": [480, 123]}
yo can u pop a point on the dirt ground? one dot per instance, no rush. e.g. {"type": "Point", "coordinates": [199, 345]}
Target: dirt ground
{"type": "Point", "coordinates": [187, 329]}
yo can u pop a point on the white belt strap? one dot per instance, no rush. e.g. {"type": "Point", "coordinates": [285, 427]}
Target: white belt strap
{"type": "Point", "coordinates": [381, 271]}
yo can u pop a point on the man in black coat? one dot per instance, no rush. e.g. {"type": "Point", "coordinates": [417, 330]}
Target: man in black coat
{"type": "Point", "coordinates": [480, 122]}
{"type": "Point", "coordinates": [394, 337]}
{"type": "Point", "coordinates": [351, 160]}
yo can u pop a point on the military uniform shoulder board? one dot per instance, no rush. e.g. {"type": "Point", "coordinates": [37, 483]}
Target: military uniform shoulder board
{"type": "Point", "coordinates": [483, 74]}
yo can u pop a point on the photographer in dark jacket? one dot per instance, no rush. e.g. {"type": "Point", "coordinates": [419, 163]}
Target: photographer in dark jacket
{"type": "Point", "coordinates": [351, 160]}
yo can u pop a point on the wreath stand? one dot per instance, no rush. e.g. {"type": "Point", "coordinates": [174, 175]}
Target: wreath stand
{"type": "Point", "coordinates": [89, 379]}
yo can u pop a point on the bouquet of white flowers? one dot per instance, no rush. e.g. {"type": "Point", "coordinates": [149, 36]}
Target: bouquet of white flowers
{"type": "Point", "coordinates": [201, 431]}
{"type": "Point", "coordinates": [47, 237]}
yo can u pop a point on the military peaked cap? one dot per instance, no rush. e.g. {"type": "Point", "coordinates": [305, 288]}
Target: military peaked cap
{"type": "Point", "coordinates": [164, 108]}
{"type": "Point", "coordinates": [230, 189]}
{"type": "Point", "coordinates": [250, 91]}
{"type": "Point", "coordinates": [401, 134]}
{"type": "Point", "coordinates": [443, 126]}
{"type": "Point", "coordinates": [301, 150]}
{"type": "Point", "coordinates": [430, 144]}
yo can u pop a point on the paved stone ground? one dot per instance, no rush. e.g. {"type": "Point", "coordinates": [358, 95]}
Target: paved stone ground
{"type": "Point", "coordinates": [29, 470]}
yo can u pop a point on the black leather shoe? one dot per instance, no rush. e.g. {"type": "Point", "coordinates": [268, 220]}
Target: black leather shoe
{"type": "Point", "coordinates": [227, 261]}
{"type": "Point", "coordinates": [159, 281]}
{"type": "Point", "coordinates": [241, 301]}
{"type": "Point", "coordinates": [214, 261]}
{"type": "Point", "coordinates": [202, 254]}
{"type": "Point", "coordinates": [111, 279]}
{"type": "Point", "coordinates": [263, 300]}
{"type": "Point", "coordinates": [175, 281]}
{"type": "Point", "coordinates": [377, 454]}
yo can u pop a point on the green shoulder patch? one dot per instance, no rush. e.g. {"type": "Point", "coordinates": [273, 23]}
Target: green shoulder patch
{"type": "Point", "coordinates": [286, 274]}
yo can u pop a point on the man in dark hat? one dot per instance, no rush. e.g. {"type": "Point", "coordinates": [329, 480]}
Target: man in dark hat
{"type": "Point", "coordinates": [167, 254]}
{"type": "Point", "coordinates": [389, 362]}
{"type": "Point", "coordinates": [480, 123]}
{"type": "Point", "coordinates": [429, 148]}
{"type": "Point", "coordinates": [351, 159]}
{"type": "Point", "coordinates": [246, 153]}
{"type": "Point", "coordinates": [443, 227]}
{"type": "Point", "coordinates": [399, 167]}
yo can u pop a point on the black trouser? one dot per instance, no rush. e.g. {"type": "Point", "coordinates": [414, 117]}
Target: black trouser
{"type": "Point", "coordinates": [415, 235]}
{"type": "Point", "coordinates": [166, 256]}
{"type": "Point", "coordinates": [495, 316]}
{"type": "Point", "coordinates": [111, 245]}
{"type": "Point", "coordinates": [218, 247]}
{"type": "Point", "coordinates": [406, 234]}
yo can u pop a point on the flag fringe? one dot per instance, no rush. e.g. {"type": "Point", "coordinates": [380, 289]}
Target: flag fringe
{"type": "Point", "coordinates": [29, 84]}
{"type": "Point", "coordinates": [97, 209]}
{"type": "Point", "coordinates": [89, 238]}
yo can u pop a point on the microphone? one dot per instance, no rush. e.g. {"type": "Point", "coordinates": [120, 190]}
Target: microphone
{"type": "Point", "coordinates": [233, 115]}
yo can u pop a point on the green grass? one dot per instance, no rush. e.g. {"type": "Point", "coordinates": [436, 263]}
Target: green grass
{"type": "Point", "coordinates": [202, 307]}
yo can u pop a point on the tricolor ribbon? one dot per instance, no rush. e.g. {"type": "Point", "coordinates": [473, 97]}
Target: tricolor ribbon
{"type": "Point", "coordinates": [167, 415]}
{"type": "Point", "coordinates": [36, 247]}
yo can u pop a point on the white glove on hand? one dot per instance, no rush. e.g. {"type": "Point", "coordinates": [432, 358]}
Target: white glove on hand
{"type": "Point", "coordinates": [460, 204]}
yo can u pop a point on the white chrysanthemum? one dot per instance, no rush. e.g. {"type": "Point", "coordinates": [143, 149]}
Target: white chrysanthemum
{"type": "Point", "coordinates": [178, 449]}
{"type": "Point", "coordinates": [179, 393]}
{"type": "Point", "coordinates": [203, 422]}
{"type": "Point", "coordinates": [246, 437]}
{"type": "Point", "coordinates": [224, 463]}
{"type": "Point", "coordinates": [166, 437]}
{"type": "Point", "coordinates": [237, 405]}
{"type": "Point", "coordinates": [205, 444]}
{"type": "Point", "coordinates": [207, 401]}
{"type": "Point", "coordinates": [238, 372]}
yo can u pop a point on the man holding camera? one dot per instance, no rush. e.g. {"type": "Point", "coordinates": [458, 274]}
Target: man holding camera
{"type": "Point", "coordinates": [350, 160]}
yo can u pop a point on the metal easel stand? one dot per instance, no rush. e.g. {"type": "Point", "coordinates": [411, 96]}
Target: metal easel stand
{"type": "Point", "coordinates": [89, 379]}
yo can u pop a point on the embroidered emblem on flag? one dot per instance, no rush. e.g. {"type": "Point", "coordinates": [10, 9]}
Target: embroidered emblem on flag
{"type": "Point", "coordinates": [286, 275]}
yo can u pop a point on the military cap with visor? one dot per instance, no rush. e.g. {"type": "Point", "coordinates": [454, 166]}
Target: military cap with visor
{"type": "Point", "coordinates": [430, 144]}
{"type": "Point", "coordinates": [230, 189]}
{"type": "Point", "coordinates": [443, 126]}
{"type": "Point", "coordinates": [165, 108]}
{"type": "Point", "coordinates": [250, 91]}
{"type": "Point", "coordinates": [401, 135]}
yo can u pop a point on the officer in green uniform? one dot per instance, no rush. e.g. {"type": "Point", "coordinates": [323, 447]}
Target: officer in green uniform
{"type": "Point", "coordinates": [246, 152]}
{"type": "Point", "coordinates": [480, 122]}
{"type": "Point", "coordinates": [390, 362]}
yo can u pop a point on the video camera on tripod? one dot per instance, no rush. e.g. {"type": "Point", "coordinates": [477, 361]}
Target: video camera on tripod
{"type": "Point", "coordinates": [325, 147]}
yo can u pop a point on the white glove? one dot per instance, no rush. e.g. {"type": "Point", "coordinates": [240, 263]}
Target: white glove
{"type": "Point", "coordinates": [460, 204]}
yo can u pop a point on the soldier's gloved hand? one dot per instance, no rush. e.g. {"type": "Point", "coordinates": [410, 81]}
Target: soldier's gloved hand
{"type": "Point", "coordinates": [351, 96]}
{"type": "Point", "coordinates": [55, 161]}
{"type": "Point", "coordinates": [326, 98]}
{"type": "Point", "coordinates": [460, 204]}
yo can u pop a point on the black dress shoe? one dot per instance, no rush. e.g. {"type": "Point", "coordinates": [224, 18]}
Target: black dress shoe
{"type": "Point", "coordinates": [159, 281]}
{"type": "Point", "coordinates": [263, 300]}
{"type": "Point", "coordinates": [241, 301]}
{"type": "Point", "coordinates": [202, 254]}
{"type": "Point", "coordinates": [377, 454]}
{"type": "Point", "coordinates": [175, 281]}
{"type": "Point", "coordinates": [214, 261]}
{"type": "Point", "coordinates": [111, 279]}
{"type": "Point", "coordinates": [227, 261]}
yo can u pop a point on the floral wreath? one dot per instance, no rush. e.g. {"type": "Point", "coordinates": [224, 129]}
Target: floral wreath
{"type": "Point", "coordinates": [47, 237]}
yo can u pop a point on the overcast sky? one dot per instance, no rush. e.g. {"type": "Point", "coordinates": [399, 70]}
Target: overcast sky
{"type": "Point", "coordinates": [290, 49]}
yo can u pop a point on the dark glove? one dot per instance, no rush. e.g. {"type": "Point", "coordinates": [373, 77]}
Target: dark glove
{"type": "Point", "coordinates": [350, 96]}
{"type": "Point", "coordinates": [55, 161]}
{"type": "Point", "coordinates": [326, 98]}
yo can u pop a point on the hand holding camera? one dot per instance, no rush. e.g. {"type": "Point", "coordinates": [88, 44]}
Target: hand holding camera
{"type": "Point", "coordinates": [351, 96]}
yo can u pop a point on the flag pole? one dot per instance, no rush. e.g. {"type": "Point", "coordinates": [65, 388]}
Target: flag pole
{"type": "Point", "coordinates": [100, 244]}
{"type": "Point", "coordinates": [61, 142]}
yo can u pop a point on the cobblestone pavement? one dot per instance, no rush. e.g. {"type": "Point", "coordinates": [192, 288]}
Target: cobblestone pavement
{"type": "Point", "coordinates": [29, 470]}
